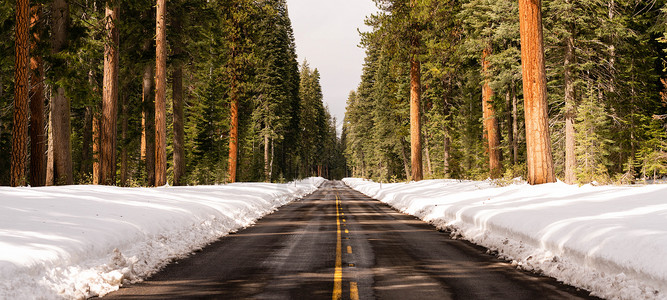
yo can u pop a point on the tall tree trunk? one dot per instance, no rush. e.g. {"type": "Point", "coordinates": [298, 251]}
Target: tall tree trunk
{"type": "Point", "coordinates": [148, 124]}
{"type": "Point", "coordinates": [267, 171]}
{"type": "Point", "coordinates": [446, 141]}
{"type": "Point", "coordinates": [109, 99]}
{"type": "Point", "coordinates": [87, 140]}
{"type": "Point", "coordinates": [38, 138]}
{"type": "Point", "coordinates": [415, 118]}
{"type": "Point", "coordinates": [60, 106]}
{"type": "Point", "coordinates": [491, 131]}
{"type": "Point", "coordinates": [97, 138]}
{"type": "Point", "coordinates": [50, 180]}
{"type": "Point", "coordinates": [406, 165]}
{"type": "Point", "coordinates": [21, 95]}
{"type": "Point", "coordinates": [515, 126]}
{"type": "Point", "coordinates": [233, 130]}
{"type": "Point", "coordinates": [538, 140]}
{"type": "Point", "coordinates": [510, 120]}
{"type": "Point", "coordinates": [123, 138]}
{"type": "Point", "coordinates": [570, 110]}
{"type": "Point", "coordinates": [160, 96]}
{"type": "Point", "coordinates": [179, 121]}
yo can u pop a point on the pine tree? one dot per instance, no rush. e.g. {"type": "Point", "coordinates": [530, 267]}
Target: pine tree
{"type": "Point", "coordinates": [160, 96]}
{"type": "Point", "coordinates": [109, 99]}
{"type": "Point", "coordinates": [60, 104]}
{"type": "Point", "coordinates": [38, 136]}
{"type": "Point", "coordinates": [21, 98]}
{"type": "Point", "coordinates": [540, 162]}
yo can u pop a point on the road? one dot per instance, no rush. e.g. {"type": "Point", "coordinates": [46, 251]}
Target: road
{"type": "Point", "coordinates": [339, 243]}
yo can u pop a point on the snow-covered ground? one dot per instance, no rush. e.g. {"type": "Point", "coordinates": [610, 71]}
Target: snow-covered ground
{"type": "Point", "coordinates": [81, 241]}
{"type": "Point", "coordinates": [610, 240]}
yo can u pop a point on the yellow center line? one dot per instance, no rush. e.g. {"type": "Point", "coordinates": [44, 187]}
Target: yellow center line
{"type": "Point", "coordinates": [338, 274]}
{"type": "Point", "coordinates": [346, 231]}
{"type": "Point", "coordinates": [354, 291]}
{"type": "Point", "coordinates": [349, 249]}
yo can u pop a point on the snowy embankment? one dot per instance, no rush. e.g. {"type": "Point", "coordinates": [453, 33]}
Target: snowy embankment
{"type": "Point", "coordinates": [81, 241]}
{"type": "Point", "coordinates": [609, 240]}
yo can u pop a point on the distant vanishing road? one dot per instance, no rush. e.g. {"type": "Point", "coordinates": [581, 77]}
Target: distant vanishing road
{"type": "Point", "coordinates": [338, 243]}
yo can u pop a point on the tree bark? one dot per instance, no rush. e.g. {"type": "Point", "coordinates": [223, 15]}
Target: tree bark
{"type": "Point", "coordinates": [267, 177]}
{"type": "Point", "coordinates": [515, 126]}
{"type": "Point", "coordinates": [21, 95]}
{"type": "Point", "coordinates": [49, 152]}
{"type": "Point", "coordinates": [97, 166]}
{"type": "Point", "coordinates": [109, 99]}
{"type": "Point", "coordinates": [123, 146]}
{"type": "Point", "coordinates": [179, 121]}
{"type": "Point", "coordinates": [538, 140]}
{"type": "Point", "coordinates": [38, 138]}
{"type": "Point", "coordinates": [233, 130]}
{"type": "Point", "coordinates": [87, 140]}
{"type": "Point", "coordinates": [160, 95]}
{"type": "Point", "coordinates": [406, 166]}
{"type": "Point", "coordinates": [570, 111]}
{"type": "Point", "coordinates": [60, 104]}
{"type": "Point", "coordinates": [148, 124]}
{"type": "Point", "coordinates": [490, 122]}
{"type": "Point", "coordinates": [415, 119]}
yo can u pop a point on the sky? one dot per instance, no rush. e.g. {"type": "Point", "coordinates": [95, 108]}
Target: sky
{"type": "Point", "coordinates": [326, 35]}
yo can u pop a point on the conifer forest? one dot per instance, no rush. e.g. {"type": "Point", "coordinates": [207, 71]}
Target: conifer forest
{"type": "Point", "coordinates": [186, 92]}
{"type": "Point", "coordinates": [144, 93]}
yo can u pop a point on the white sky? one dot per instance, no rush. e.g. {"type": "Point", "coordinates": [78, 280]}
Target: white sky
{"type": "Point", "coordinates": [326, 35]}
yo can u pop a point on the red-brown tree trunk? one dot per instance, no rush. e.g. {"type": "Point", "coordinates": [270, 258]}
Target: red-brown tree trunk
{"type": "Point", "coordinates": [491, 132]}
{"type": "Point", "coordinates": [233, 132]}
{"type": "Point", "coordinates": [21, 95]}
{"type": "Point", "coordinates": [538, 140]}
{"type": "Point", "coordinates": [109, 99]}
{"type": "Point", "coordinates": [415, 119]}
{"type": "Point", "coordinates": [97, 166]}
{"type": "Point", "coordinates": [160, 96]}
{"type": "Point", "coordinates": [38, 138]}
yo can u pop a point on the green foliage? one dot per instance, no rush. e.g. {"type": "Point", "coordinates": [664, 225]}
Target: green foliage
{"type": "Point", "coordinates": [618, 59]}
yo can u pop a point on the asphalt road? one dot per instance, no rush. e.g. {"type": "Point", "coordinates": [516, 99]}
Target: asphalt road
{"type": "Point", "coordinates": [338, 242]}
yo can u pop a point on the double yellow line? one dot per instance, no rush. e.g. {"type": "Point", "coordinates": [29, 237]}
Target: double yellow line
{"type": "Point", "coordinates": [338, 273]}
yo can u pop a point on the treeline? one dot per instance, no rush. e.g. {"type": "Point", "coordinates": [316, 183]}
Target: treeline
{"type": "Point", "coordinates": [606, 86]}
{"type": "Point", "coordinates": [144, 93]}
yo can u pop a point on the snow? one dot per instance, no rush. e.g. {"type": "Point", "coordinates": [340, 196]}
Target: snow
{"type": "Point", "coordinates": [76, 242]}
{"type": "Point", "coordinates": [610, 240]}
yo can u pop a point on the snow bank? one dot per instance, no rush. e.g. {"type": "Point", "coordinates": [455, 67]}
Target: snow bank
{"type": "Point", "coordinates": [611, 241]}
{"type": "Point", "coordinates": [80, 241]}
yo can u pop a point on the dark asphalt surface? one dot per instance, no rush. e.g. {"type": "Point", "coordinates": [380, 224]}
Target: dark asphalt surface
{"type": "Point", "coordinates": [291, 254]}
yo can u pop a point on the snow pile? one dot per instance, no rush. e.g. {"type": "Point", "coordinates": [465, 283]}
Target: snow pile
{"type": "Point", "coordinates": [80, 241]}
{"type": "Point", "coordinates": [609, 240]}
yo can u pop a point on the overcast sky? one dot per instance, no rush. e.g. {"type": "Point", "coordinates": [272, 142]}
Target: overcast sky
{"type": "Point", "coordinates": [326, 35]}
